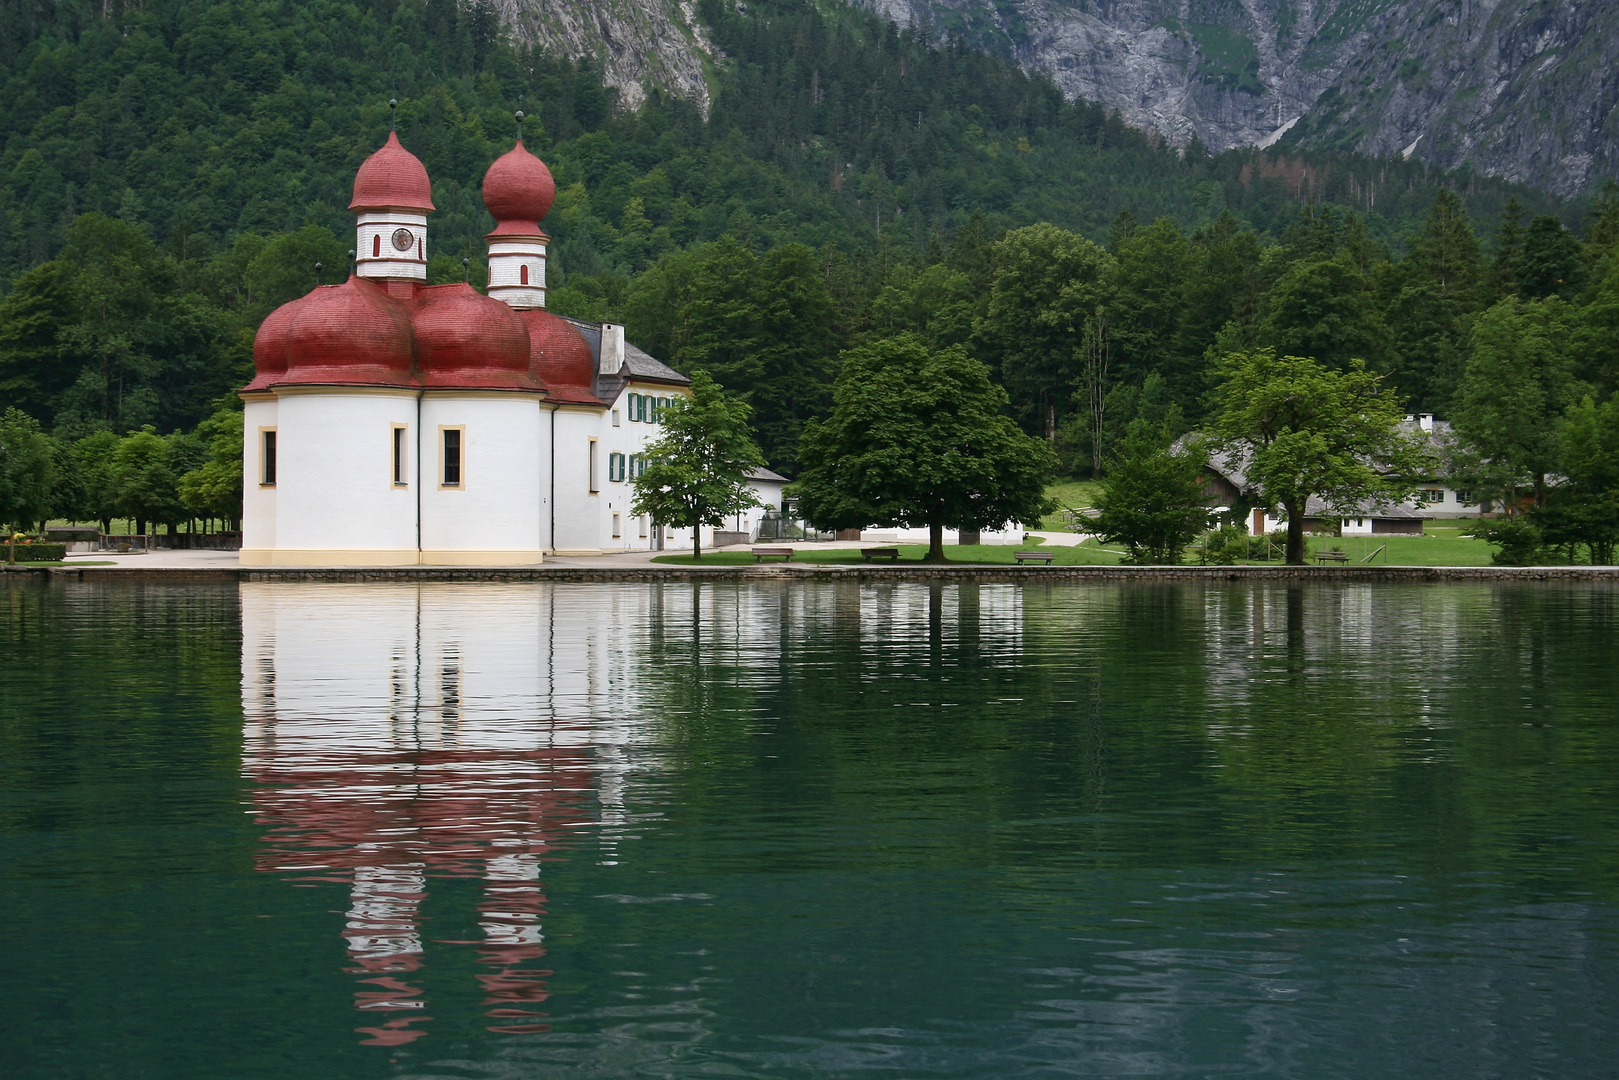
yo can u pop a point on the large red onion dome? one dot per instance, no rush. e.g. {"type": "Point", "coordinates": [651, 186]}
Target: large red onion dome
{"type": "Point", "coordinates": [270, 346]}
{"type": "Point", "coordinates": [465, 339]}
{"type": "Point", "coordinates": [518, 190]}
{"type": "Point", "coordinates": [393, 177]}
{"type": "Point", "coordinates": [561, 359]}
{"type": "Point", "coordinates": [350, 334]}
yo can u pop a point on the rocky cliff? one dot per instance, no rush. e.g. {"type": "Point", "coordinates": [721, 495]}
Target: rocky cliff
{"type": "Point", "coordinates": [1525, 89]}
{"type": "Point", "coordinates": [641, 43]}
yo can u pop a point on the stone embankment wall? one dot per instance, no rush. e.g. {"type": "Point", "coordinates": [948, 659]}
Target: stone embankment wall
{"type": "Point", "coordinates": [1339, 575]}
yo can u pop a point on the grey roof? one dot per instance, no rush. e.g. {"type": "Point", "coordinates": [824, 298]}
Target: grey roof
{"type": "Point", "coordinates": [767, 476]}
{"type": "Point", "coordinates": [1231, 466]}
{"type": "Point", "coordinates": [638, 364]}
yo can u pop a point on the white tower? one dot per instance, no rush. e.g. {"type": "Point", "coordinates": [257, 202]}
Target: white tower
{"type": "Point", "coordinates": [392, 198]}
{"type": "Point", "coordinates": [518, 190]}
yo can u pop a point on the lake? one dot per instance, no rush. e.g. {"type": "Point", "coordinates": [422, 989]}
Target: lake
{"type": "Point", "coordinates": [840, 829]}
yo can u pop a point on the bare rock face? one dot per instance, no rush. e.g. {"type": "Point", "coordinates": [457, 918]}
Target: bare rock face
{"type": "Point", "coordinates": [1525, 89]}
{"type": "Point", "coordinates": [642, 43]}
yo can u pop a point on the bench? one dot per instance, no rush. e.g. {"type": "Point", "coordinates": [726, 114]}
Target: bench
{"type": "Point", "coordinates": [1331, 556]}
{"type": "Point", "coordinates": [1034, 556]}
{"type": "Point", "coordinates": [891, 554]}
{"type": "Point", "coordinates": [760, 554]}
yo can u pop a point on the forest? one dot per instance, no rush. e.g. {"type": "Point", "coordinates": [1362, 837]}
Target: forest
{"type": "Point", "coordinates": [174, 170]}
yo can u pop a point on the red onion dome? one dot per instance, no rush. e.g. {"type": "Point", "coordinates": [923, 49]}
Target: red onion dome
{"type": "Point", "coordinates": [560, 358]}
{"type": "Point", "coordinates": [393, 177]}
{"type": "Point", "coordinates": [518, 190]}
{"type": "Point", "coordinates": [464, 339]}
{"type": "Point", "coordinates": [350, 334]}
{"type": "Point", "coordinates": [270, 346]}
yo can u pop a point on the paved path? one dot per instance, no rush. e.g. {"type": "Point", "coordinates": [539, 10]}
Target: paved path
{"type": "Point", "coordinates": [177, 559]}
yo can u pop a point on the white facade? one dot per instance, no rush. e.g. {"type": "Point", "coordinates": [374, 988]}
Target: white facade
{"type": "Point", "coordinates": [391, 244]}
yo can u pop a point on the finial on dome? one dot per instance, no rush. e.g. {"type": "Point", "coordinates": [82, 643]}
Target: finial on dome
{"type": "Point", "coordinates": [351, 262]}
{"type": "Point", "coordinates": [466, 271]}
{"type": "Point", "coordinates": [393, 114]}
{"type": "Point", "coordinates": [317, 275]}
{"type": "Point", "coordinates": [519, 127]}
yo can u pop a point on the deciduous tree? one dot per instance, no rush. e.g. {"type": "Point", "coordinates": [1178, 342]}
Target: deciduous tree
{"type": "Point", "coordinates": [919, 437]}
{"type": "Point", "coordinates": [1303, 429]}
{"type": "Point", "coordinates": [697, 469]}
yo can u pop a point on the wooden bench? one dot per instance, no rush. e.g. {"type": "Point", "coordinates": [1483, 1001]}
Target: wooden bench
{"type": "Point", "coordinates": [760, 554]}
{"type": "Point", "coordinates": [891, 554]}
{"type": "Point", "coordinates": [1034, 556]}
{"type": "Point", "coordinates": [1331, 556]}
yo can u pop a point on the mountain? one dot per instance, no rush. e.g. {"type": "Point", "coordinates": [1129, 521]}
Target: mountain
{"type": "Point", "coordinates": [1527, 90]}
{"type": "Point", "coordinates": [640, 43]}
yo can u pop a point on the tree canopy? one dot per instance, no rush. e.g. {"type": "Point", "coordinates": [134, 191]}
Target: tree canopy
{"type": "Point", "coordinates": [919, 437]}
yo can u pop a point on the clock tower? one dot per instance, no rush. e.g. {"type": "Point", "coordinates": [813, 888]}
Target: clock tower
{"type": "Point", "coordinates": [392, 198]}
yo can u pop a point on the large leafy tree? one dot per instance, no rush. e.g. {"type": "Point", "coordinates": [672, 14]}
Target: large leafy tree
{"type": "Point", "coordinates": [697, 470]}
{"type": "Point", "coordinates": [1047, 282]}
{"type": "Point", "coordinates": [27, 470]}
{"type": "Point", "coordinates": [214, 488]}
{"type": "Point", "coordinates": [1519, 379]}
{"type": "Point", "coordinates": [1303, 429]}
{"type": "Point", "coordinates": [919, 437]}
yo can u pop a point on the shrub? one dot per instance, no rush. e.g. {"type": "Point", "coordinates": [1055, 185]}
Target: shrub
{"type": "Point", "coordinates": [1517, 541]}
{"type": "Point", "coordinates": [37, 551]}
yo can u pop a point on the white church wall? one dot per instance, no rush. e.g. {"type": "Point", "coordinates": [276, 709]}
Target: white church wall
{"type": "Point", "coordinates": [578, 512]}
{"type": "Point", "coordinates": [495, 514]}
{"type": "Point", "coordinates": [258, 498]}
{"type": "Point", "coordinates": [336, 502]}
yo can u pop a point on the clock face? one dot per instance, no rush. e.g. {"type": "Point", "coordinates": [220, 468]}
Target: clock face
{"type": "Point", "coordinates": [403, 240]}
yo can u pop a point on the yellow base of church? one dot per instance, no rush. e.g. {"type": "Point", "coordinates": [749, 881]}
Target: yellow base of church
{"type": "Point", "coordinates": [386, 557]}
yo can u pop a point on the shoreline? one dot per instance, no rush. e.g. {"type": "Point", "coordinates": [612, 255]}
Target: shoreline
{"type": "Point", "coordinates": [650, 572]}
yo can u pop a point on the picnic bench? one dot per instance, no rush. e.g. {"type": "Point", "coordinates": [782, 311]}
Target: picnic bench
{"type": "Point", "coordinates": [891, 554]}
{"type": "Point", "coordinates": [1034, 556]}
{"type": "Point", "coordinates": [760, 554]}
{"type": "Point", "coordinates": [1331, 556]}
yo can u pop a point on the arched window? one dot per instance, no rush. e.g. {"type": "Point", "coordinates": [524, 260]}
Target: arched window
{"type": "Point", "coordinates": [376, 246]}
{"type": "Point", "coordinates": [522, 274]}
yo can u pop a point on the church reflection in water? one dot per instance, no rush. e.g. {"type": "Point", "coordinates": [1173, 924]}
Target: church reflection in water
{"type": "Point", "coordinates": [401, 733]}
{"type": "Point", "coordinates": [397, 734]}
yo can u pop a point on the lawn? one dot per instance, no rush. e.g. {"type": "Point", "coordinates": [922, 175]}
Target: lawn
{"type": "Point", "coordinates": [1086, 555]}
{"type": "Point", "coordinates": [1440, 545]}
{"type": "Point", "coordinates": [1070, 494]}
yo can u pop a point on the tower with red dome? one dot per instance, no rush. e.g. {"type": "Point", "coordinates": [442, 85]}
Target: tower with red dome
{"type": "Point", "coordinates": [391, 422]}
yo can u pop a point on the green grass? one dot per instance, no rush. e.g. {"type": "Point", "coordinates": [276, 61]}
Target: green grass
{"type": "Point", "coordinates": [1089, 554]}
{"type": "Point", "coordinates": [1440, 545]}
{"type": "Point", "coordinates": [1070, 494]}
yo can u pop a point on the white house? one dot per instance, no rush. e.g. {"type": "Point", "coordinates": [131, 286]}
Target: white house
{"type": "Point", "coordinates": [392, 422]}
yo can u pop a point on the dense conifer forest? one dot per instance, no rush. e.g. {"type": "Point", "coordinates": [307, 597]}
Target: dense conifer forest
{"type": "Point", "coordinates": [172, 171]}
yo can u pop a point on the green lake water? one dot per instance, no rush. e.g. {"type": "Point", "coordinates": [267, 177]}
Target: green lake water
{"type": "Point", "coordinates": [804, 830]}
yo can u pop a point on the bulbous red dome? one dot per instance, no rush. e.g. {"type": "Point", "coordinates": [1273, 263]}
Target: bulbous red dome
{"type": "Point", "coordinates": [270, 346]}
{"type": "Point", "coordinates": [393, 177]}
{"type": "Point", "coordinates": [465, 339]}
{"type": "Point", "coordinates": [518, 189]}
{"type": "Point", "coordinates": [560, 358]}
{"type": "Point", "coordinates": [353, 333]}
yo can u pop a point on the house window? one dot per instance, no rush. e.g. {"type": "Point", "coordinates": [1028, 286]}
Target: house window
{"type": "Point", "coordinates": [615, 418]}
{"type": "Point", "coordinates": [401, 456]}
{"type": "Point", "coordinates": [1464, 496]}
{"type": "Point", "coordinates": [1433, 495]}
{"type": "Point", "coordinates": [615, 468]}
{"type": "Point", "coordinates": [637, 465]}
{"type": "Point", "coordinates": [616, 530]}
{"type": "Point", "coordinates": [522, 274]}
{"type": "Point", "coordinates": [453, 440]}
{"type": "Point", "coordinates": [267, 471]}
{"type": "Point", "coordinates": [641, 523]}
{"type": "Point", "coordinates": [590, 465]}
{"type": "Point", "coordinates": [637, 408]}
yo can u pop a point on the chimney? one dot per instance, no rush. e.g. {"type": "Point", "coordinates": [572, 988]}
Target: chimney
{"type": "Point", "coordinates": [611, 358]}
{"type": "Point", "coordinates": [1424, 420]}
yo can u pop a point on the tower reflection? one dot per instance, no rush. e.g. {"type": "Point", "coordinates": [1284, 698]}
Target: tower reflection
{"type": "Point", "coordinates": [400, 733]}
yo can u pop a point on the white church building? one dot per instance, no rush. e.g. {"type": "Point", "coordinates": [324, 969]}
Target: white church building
{"type": "Point", "coordinates": [390, 422]}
